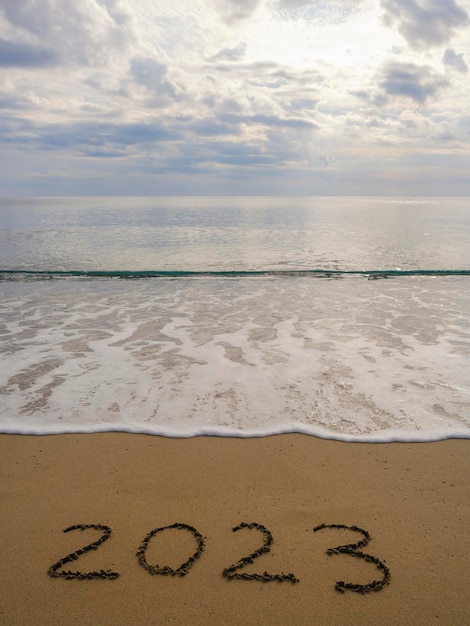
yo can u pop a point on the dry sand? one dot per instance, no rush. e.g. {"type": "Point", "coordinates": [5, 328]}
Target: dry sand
{"type": "Point", "coordinates": [413, 499]}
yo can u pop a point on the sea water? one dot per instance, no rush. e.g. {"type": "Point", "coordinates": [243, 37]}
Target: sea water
{"type": "Point", "coordinates": [346, 318]}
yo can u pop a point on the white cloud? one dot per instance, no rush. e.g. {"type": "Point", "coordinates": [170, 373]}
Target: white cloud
{"type": "Point", "coordinates": [226, 96]}
{"type": "Point", "coordinates": [332, 11]}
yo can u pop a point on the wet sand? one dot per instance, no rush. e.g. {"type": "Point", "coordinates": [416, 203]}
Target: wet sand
{"type": "Point", "coordinates": [413, 500]}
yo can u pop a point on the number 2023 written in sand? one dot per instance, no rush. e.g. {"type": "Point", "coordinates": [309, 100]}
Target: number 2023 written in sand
{"type": "Point", "coordinates": [233, 572]}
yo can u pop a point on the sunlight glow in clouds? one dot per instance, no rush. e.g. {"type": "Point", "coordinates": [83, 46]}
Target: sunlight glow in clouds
{"type": "Point", "coordinates": [234, 96]}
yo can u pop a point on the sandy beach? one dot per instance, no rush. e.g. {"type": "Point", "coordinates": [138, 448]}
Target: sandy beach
{"type": "Point", "coordinates": [412, 499]}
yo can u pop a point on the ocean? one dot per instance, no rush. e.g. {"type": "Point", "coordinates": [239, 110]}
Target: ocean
{"type": "Point", "coordinates": [340, 317]}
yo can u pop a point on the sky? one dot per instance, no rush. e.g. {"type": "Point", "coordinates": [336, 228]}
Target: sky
{"type": "Point", "coordinates": [234, 97]}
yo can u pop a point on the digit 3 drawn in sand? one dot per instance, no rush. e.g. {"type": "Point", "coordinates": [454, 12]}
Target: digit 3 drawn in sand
{"type": "Point", "coordinates": [352, 549]}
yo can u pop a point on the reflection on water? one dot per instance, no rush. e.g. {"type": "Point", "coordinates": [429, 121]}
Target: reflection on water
{"type": "Point", "coordinates": [234, 233]}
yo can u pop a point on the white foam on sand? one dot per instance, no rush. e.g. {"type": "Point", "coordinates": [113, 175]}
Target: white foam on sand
{"type": "Point", "coordinates": [350, 359]}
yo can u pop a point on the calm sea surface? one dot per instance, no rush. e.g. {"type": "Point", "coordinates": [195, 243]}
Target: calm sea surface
{"type": "Point", "coordinates": [339, 317]}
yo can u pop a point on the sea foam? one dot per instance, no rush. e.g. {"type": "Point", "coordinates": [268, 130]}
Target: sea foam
{"type": "Point", "coordinates": [349, 359]}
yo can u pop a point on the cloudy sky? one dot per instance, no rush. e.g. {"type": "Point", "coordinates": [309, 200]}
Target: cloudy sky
{"type": "Point", "coordinates": [202, 97]}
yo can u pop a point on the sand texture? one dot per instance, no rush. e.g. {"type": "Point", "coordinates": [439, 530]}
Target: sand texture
{"type": "Point", "coordinates": [413, 500]}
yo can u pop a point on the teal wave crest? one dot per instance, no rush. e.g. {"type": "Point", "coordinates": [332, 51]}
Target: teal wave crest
{"type": "Point", "coordinates": [141, 274]}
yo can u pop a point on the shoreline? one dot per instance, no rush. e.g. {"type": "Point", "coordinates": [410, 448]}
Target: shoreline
{"type": "Point", "coordinates": [320, 435]}
{"type": "Point", "coordinates": [412, 498]}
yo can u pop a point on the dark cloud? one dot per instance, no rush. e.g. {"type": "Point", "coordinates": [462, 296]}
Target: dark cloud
{"type": "Point", "coordinates": [115, 10]}
{"type": "Point", "coordinates": [13, 102]}
{"type": "Point", "coordinates": [202, 157]}
{"type": "Point", "coordinates": [446, 137]}
{"type": "Point", "coordinates": [327, 160]}
{"type": "Point", "coordinates": [273, 75]}
{"type": "Point", "coordinates": [148, 71]}
{"type": "Point", "coordinates": [268, 120]}
{"type": "Point", "coordinates": [231, 124]}
{"type": "Point", "coordinates": [258, 68]}
{"type": "Point", "coordinates": [230, 54]}
{"type": "Point", "coordinates": [244, 155]}
{"type": "Point", "coordinates": [153, 75]}
{"type": "Point", "coordinates": [104, 154]}
{"type": "Point", "coordinates": [293, 5]}
{"type": "Point", "coordinates": [139, 133]}
{"type": "Point", "coordinates": [455, 61]}
{"type": "Point", "coordinates": [89, 137]}
{"type": "Point", "coordinates": [302, 104]}
{"type": "Point", "coordinates": [211, 127]}
{"type": "Point", "coordinates": [233, 11]}
{"type": "Point", "coordinates": [22, 55]}
{"type": "Point", "coordinates": [78, 32]}
{"type": "Point", "coordinates": [425, 23]}
{"type": "Point", "coordinates": [361, 94]}
{"type": "Point", "coordinates": [412, 81]}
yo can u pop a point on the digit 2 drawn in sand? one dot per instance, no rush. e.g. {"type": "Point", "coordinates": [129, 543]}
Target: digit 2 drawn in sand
{"type": "Point", "coordinates": [166, 570]}
{"type": "Point", "coordinates": [73, 556]}
{"type": "Point", "coordinates": [353, 550]}
{"type": "Point", "coordinates": [231, 572]}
